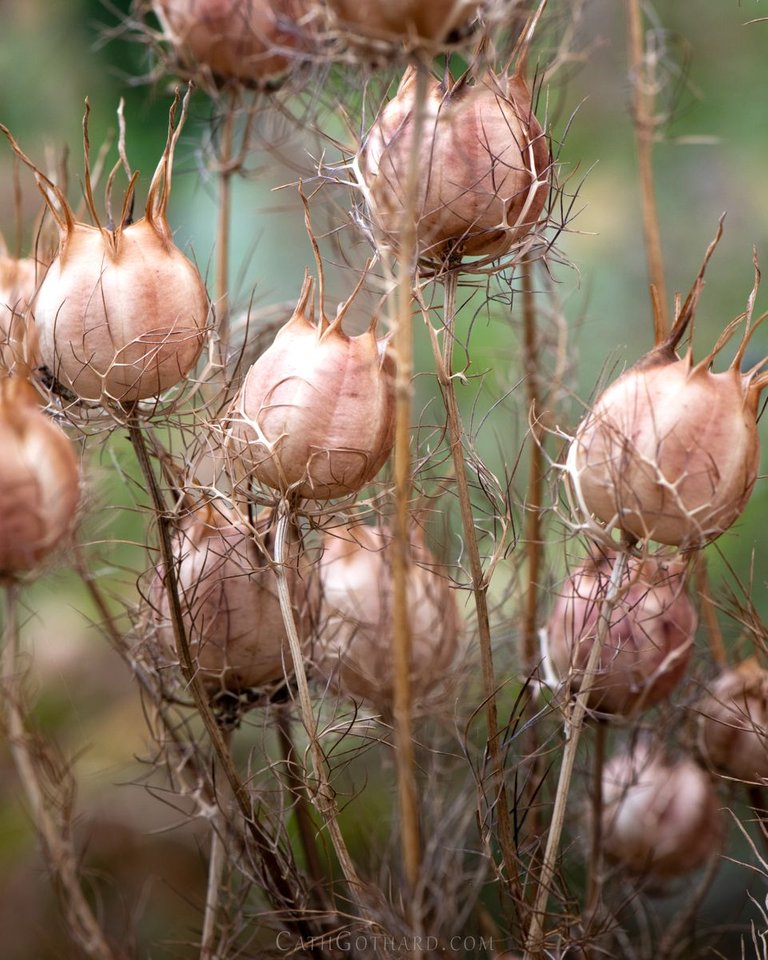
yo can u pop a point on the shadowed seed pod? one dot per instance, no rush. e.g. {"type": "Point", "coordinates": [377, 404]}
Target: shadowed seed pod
{"type": "Point", "coordinates": [483, 165]}
{"type": "Point", "coordinates": [229, 601]}
{"type": "Point", "coordinates": [315, 414]}
{"type": "Point", "coordinates": [410, 21]}
{"type": "Point", "coordinates": [39, 481]}
{"type": "Point", "coordinates": [18, 282]}
{"type": "Point", "coordinates": [245, 40]}
{"type": "Point", "coordinates": [670, 451]}
{"type": "Point", "coordinates": [121, 313]}
{"type": "Point", "coordinates": [733, 724]}
{"type": "Point", "coordinates": [660, 818]}
{"type": "Point", "coordinates": [353, 646]}
{"type": "Point", "coordinates": [649, 640]}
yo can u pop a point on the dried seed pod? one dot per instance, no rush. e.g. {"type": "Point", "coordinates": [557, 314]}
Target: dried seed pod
{"type": "Point", "coordinates": [354, 633]}
{"type": "Point", "coordinates": [733, 726]}
{"type": "Point", "coordinates": [18, 282]}
{"type": "Point", "coordinates": [315, 414]}
{"type": "Point", "coordinates": [39, 481]}
{"type": "Point", "coordinates": [660, 818]}
{"type": "Point", "coordinates": [229, 601]}
{"type": "Point", "coordinates": [670, 451]}
{"type": "Point", "coordinates": [121, 313]}
{"type": "Point", "coordinates": [412, 21]}
{"type": "Point", "coordinates": [245, 40]}
{"type": "Point", "coordinates": [483, 166]}
{"type": "Point", "coordinates": [649, 640]}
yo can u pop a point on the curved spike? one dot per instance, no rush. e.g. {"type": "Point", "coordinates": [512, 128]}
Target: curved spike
{"type": "Point", "coordinates": [685, 315]}
{"type": "Point", "coordinates": [305, 307]}
{"type": "Point", "coordinates": [341, 312]}
{"type": "Point", "coordinates": [90, 202]}
{"type": "Point", "coordinates": [749, 328]}
{"type": "Point", "coordinates": [523, 45]}
{"type": "Point", "coordinates": [44, 184]}
{"type": "Point", "coordinates": [316, 253]}
{"type": "Point", "coordinates": [160, 187]}
{"type": "Point", "coordinates": [724, 337]}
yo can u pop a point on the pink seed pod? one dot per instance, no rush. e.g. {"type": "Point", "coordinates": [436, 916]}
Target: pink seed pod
{"type": "Point", "coordinates": [483, 166]}
{"type": "Point", "coordinates": [244, 40]}
{"type": "Point", "coordinates": [39, 481]}
{"type": "Point", "coordinates": [353, 645]}
{"type": "Point", "coordinates": [670, 451]}
{"type": "Point", "coordinates": [315, 414]}
{"type": "Point", "coordinates": [733, 723]}
{"type": "Point", "coordinates": [229, 601]}
{"type": "Point", "coordinates": [649, 640]}
{"type": "Point", "coordinates": [410, 21]}
{"type": "Point", "coordinates": [660, 818]}
{"type": "Point", "coordinates": [121, 314]}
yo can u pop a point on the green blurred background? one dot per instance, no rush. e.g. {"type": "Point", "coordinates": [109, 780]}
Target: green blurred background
{"type": "Point", "coordinates": [54, 54]}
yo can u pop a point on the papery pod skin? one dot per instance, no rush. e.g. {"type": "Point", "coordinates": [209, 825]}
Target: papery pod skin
{"type": "Point", "coordinates": [353, 646]}
{"type": "Point", "coordinates": [120, 317]}
{"type": "Point", "coordinates": [480, 154]}
{"type": "Point", "coordinates": [39, 481]}
{"type": "Point", "coordinates": [733, 724]}
{"type": "Point", "coordinates": [649, 641]}
{"type": "Point", "coordinates": [403, 20]}
{"type": "Point", "coordinates": [669, 452]}
{"type": "Point", "coordinates": [315, 414]}
{"type": "Point", "coordinates": [229, 602]}
{"type": "Point", "coordinates": [245, 40]}
{"type": "Point", "coordinates": [660, 819]}
{"type": "Point", "coordinates": [18, 282]}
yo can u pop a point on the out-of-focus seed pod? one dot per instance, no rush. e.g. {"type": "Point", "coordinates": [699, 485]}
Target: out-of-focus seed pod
{"type": "Point", "coordinates": [660, 818]}
{"type": "Point", "coordinates": [315, 414]}
{"type": "Point", "coordinates": [229, 601]}
{"type": "Point", "coordinates": [649, 640]}
{"type": "Point", "coordinates": [483, 166]}
{"type": "Point", "coordinates": [245, 40]}
{"type": "Point", "coordinates": [353, 645]}
{"type": "Point", "coordinates": [670, 451]}
{"type": "Point", "coordinates": [409, 21]}
{"type": "Point", "coordinates": [121, 313]}
{"type": "Point", "coordinates": [733, 724]}
{"type": "Point", "coordinates": [18, 282]}
{"type": "Point", "coordinates": [39, 481]}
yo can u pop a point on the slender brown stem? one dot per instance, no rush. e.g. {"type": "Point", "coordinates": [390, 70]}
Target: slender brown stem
{"type": "Point", "coordinates": [55, 837]}
{"type": "Point", "coordinates": [224, 223]}
{"type": "Point", "coordinates": [714, 633]}
{"type": "Point", "coordinates": [595, 867]}
{"type": "Point", "coordinates": [216, 865]}
{"type": "Point", "coordinates": [645, 127]}
{"type": "Point", "coordinates": [479, 583]}
{"type": "Point", "coordinates": [574, 724]}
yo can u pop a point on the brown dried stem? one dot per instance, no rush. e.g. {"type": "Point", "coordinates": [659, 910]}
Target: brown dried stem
{"type": "Point", "coordinates": [645, 131]}
{"type": "Point", "coordinates": [55, 836]}
{"type": "Point", "coordinates": [595, 866]}
{"type": "Point", "coordinates": [216, 864]}
{"type": "Point", "coordinates": [574, 724]}
{"type": "Point", "coordinates": [709, 612]}
{"type": "Point", "coordinates": [224, 225]}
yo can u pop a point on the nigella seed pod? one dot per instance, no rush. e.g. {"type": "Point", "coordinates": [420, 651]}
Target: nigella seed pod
{"type": "Point", "coordinates": [229, 601]}
{"type": "Point", "coordinates": [733, 723]}
{"type": "Point", "coordinates": [661, 819]}
{"type": "Point", "coordinates": [315, 414]}
{"type": "Point", "coordinates": [244, 40]}
{"type": "Point", "coordinates": [409, 21]}
{"type": "Point", "coordinates": [670, 450]}
{"type": "Point", "coordinates": [121, 313]}
{"type": "Point", "coordinates": [18, 282]}
{"type": "Point", "coordinates": [353, 646]}
{"type": "Point", "coordinates": [39, 481]}
{"type": "Point", "coordinates": [649, 639]}
{"type": "Point", "coordinates": [483, 166]}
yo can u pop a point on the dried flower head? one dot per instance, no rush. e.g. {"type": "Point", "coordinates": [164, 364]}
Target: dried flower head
{"type": "Point", "coordinates": [416, 23]}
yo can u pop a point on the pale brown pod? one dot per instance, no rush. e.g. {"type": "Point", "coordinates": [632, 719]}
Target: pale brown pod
{"type": "Point", "coordinates": [315, 415]}
{"type": "Point", "coordinates": [353, 645]}
{"type": "Point", "coordinates": [661, 818]}
{"type": "Point", "coordinates": [649, 640]}
{"type": "Point", "coordinates": [402, 21]}
{"type": "Point", "coordinates": [229, 601]}
{"type": "Point", "coordinates": [18, 282]}
{"type": "Point", "coordinates": [39, 481]}
{"type": "Point", "coordinates": [483, 166]}
{"type": "Point", "coordinates": [733, 723]}
{"type": "Point", "coordinates": [121, 314]}
{"type": "Point", "coordinates": [245, 40]}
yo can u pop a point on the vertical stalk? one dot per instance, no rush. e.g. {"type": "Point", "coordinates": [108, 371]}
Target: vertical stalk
{"type": "Point", "coordinates": [644, 124]}
{"type": "Point", "coordinates": [402, 345]}
{"type": "Point", "coordinates": [596, 847]}
{"type": "Point", "coordinates": [479, 581]}
{"type": "Point", "coordinates": [714, 633]}
{"type": "Point", "coordinates": [574, 724]}
{"type": "Point", "coordinates": [216, 865]}
{"type": "Point", "coordinates": [224, 224]}
{"type": "Point", "coordinates": [56, 840]}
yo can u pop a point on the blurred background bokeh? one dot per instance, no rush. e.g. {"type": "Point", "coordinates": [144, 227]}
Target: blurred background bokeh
{"type": "Point", "coordinates": [146, 860]}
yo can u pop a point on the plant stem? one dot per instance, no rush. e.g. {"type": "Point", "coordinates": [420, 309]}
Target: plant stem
{"type": "Point", "coordinates": [596, 852]}
{"type": "Point", "coordinates": [56, 838]}
{"type": "Point", "coordinates": [216, 863]}
{"type": "Point", "coordinates": [644, 124]}
{"type": "Point", "coordinates": [714, 633]}
{"type": "Point", "coordinates": [224, 225]}
{"type": "Point", "coordinates": [479, 581]}
{"type": "Point", "coordinates": [574, 724]}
